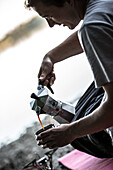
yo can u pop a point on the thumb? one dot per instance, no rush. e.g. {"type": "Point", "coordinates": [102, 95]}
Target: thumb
{"type": "Point", "coordinates": [42, 77]}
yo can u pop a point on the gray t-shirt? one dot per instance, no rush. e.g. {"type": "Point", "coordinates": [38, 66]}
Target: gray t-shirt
{"type": "Point", "coordinates": [96, 35]}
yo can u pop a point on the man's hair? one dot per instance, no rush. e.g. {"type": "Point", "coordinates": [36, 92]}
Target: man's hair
{"type": "Point", "coordinates": [31, 3]}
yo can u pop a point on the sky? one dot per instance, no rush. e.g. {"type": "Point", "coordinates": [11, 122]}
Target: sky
{"type": "Point", "coordinates": [19, 66]}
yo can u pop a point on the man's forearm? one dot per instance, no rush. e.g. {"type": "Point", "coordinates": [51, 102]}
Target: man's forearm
{"type": "Point", "coordinates": [70, 47]}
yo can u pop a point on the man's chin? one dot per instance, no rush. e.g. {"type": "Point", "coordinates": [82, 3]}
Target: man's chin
{"type": "Point", "coordinates": [71, 27]}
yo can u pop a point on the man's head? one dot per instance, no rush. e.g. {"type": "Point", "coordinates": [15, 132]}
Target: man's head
{"type": "Point", "coordinates": [32, 3]}
{"type": "Point", "coordinates": [66, 12]}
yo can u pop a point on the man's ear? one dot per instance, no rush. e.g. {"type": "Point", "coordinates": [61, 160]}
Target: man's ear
{"type": "Point", "coordinates": [71, 2]}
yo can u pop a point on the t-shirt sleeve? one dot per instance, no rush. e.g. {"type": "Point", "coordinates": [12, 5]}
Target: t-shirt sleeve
{"type": "Point", "coordinates": [97, 41]}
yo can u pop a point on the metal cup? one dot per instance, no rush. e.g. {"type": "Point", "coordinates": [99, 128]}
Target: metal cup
{"type": "Point", "coordinates": [45, 128]}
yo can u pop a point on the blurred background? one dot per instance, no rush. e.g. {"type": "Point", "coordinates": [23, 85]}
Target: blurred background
{"type": "Point", "coordinates": [24, 40]}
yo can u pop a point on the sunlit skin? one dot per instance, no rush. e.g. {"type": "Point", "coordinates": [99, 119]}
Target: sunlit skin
{"type": "Point", "coordinates": [70, 15]}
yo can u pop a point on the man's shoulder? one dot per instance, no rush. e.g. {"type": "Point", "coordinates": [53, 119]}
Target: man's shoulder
{"type": "Point", "coordinates": [94, 6]}
{"type": "Point", "coordinates": [98, 11]}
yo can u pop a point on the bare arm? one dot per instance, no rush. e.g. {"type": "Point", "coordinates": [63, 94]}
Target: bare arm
{"type": "Point", "coordinates": [70, 47]}
{"type": "Point", "coordinates": [66, 49]}
{"type": "Point", "coordinates": [99, 119]}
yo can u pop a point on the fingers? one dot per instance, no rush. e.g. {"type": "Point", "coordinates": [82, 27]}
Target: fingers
{"type": "Point", "coordinates": [44, 135]}
{"type": "Point", "coordinates": [46, 140]}
{"type": "Point", "coordinates": [56, 137]}
{"type": "Point", "coordinates": [43, 141]}
{"type": "Point", "coordinates": [45, 69]}
{"type": "Point", "coordinates": [42, 74]}
{"type": "Point", "coordinates": [46, 74]}
{"type": "Point", "coordinates": [49, 144]}
{"type": "Point", "coordinates": [50, 78]}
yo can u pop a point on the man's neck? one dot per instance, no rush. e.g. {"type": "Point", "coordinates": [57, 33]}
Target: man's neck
{"type": "Point", "coordinates": [81, 6]}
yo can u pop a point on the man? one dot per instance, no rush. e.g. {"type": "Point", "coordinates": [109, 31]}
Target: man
{"type": "Point", "coordinates": [95, 38]}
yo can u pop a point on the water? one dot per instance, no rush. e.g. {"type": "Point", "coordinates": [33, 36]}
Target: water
{"type": "Point", "coordinates": [19, 67]}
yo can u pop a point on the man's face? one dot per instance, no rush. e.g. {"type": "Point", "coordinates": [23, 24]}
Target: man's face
{"type": "Point", "coordinates": [66, 15]}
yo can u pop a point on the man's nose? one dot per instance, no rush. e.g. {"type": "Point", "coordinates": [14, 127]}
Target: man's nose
{"type": "Point", "coordinates": [50, 22]}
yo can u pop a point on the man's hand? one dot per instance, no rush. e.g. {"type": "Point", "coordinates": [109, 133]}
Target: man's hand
{"type": "Point", "coordinates": [46, 74]}
{"type": "Point", "coordinates": [56, 137]}
{"type": "Point", "coordinates": [68, 48]}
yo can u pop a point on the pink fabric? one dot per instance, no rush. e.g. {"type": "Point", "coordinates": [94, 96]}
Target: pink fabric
{"type": "Point", "coordinates": [77, 160]}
